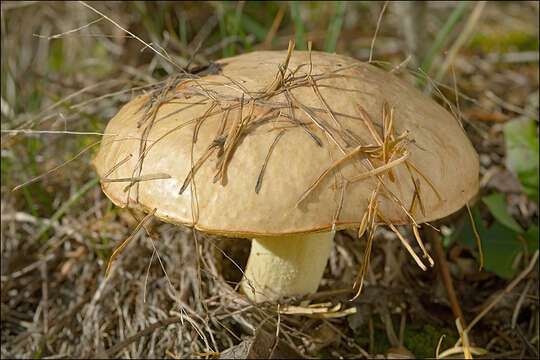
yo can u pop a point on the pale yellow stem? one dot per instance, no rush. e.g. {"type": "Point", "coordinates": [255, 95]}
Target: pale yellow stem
{"type": "Point", "coordinates": [286, 265]}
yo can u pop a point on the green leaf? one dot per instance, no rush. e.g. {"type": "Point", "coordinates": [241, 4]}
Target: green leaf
{"type": "Point", "coordinates": [500, 245]}
{"type": "Point", "coordinates": [496, 204]}
{"type": "Point", "coordinates": [522, 153]}
{"type": "Point", "coordinates": [531, 238]}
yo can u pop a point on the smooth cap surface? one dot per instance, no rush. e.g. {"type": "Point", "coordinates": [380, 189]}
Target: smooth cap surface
{"type": "Point", "coordinates": [436, 145]}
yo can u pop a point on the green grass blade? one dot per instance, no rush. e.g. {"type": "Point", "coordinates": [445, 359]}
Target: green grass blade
{"type": "Point", "coordinates": [182, 30]}
{"type": "Point", "coordinates": [58, 214]}
{"type": "Point", "coordinates": [335, 26]}
{"type": "Point", "coordinates": [253, 27]}
{"type": "Point", "coordinates": [441, 38]}
{"type": "Point", "coordinates": [30, 201]}
{"type": "Point", "coordinates": [222, 14]}
{"type": "Point", "coordinates": [298, 26]}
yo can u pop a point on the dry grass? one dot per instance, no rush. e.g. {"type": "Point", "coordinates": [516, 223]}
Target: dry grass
{"type": "Point", "coordinates": [66, 71]}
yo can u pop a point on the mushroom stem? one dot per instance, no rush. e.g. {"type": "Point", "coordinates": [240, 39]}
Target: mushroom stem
{"type": "Point", "coordinates": [286, 265]}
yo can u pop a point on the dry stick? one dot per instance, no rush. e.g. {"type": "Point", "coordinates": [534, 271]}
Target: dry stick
{"type": "Point", "coordinates": [456, 92]}
{"type": "Point", "coordinates": [519, 303]}
{"type": "Point", "coordinates": [274, 27]}
{"type": "Point", "coordinates": [465, 339]}
{"type": "Point", "coordinates": [158, 324]}
{"type": "Point", "coordinates": [442, 267]}
{"type": "Point", "coordinates": [506, 290]}
{"type": "Point", "coordinates": [276, 341]}
{"type": "Point", "coordinates": [463, 36]}
{"type": "Point", "coordinates": [45, 299]}
{"type": "Point", "coordinates": [376, 31]}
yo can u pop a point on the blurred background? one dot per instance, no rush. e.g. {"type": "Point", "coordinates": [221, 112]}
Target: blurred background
{"type": "Point", "coordinates": [67, 68]}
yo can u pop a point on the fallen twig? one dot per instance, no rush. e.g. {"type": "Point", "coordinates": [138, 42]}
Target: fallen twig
{"type": "Point", "coordinates": [442, 268]}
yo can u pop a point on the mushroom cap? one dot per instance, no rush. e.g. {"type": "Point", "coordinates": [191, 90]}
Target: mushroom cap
{"type": "Point", "coordinates": [436, 144]}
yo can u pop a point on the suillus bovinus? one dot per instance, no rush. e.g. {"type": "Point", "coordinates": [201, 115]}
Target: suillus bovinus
{"type": "Point", "coordinates": [286, 148]}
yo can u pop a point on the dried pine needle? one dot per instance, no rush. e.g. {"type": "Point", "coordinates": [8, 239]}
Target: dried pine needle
{"type": "Point", "coordinates": [147, 177]}
{"type": "Point", "coordinates": [421, 244]}
{"type": "Point", "coordinates": [416, 195]}
{"type": "Point", "coordinates": [381, 168]}
{"type": "Point", "coordinates": [278, 78]}
{"type": "Point", "coordinates": [356, 151]}
{"type": "Point", "coordinates": [198, 164]}
{"type": "Point", "coordinates": [426, 180]}
{"type": "Point", "coordinates": [261, 173]}
{"type": "Point", "coordinates": [127, 241]}
{"type": "Point", "coordinates": [363, 225]}
{"type": "Point", "coordinates": [478, 241]}
{"type": "Point", "coordinates": [200, 121]}
{"type": "Point", "coordinates": [369, 124]}
{"type": "Point", "coordinates": [120, 163]}
{"type": "Point", "coordinates": [371, 215]}
{"type": "Point", "coordinates": [340, 205]}
{"type": "Point", "coordinates": [403, 241]}
{"type": "Point", "coordinates": [297, 122]}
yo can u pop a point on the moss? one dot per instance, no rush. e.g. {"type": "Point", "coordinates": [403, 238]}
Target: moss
{"type": "Point", "coordinates": [55, 60]}
{"type": "Point", "coordinates": [503, 43]}
{"type": "Point", "coordinates": [422, 342]}
{"type": "Point", "coordinates": [381, 343]}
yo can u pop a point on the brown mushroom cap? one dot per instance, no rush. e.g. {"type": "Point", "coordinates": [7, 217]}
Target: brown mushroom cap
{"type": "Point", "coordinates": [437, 145]}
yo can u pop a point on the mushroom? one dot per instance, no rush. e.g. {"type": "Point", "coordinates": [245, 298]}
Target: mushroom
{"type": "Point", "coordinates": [286, 148]}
